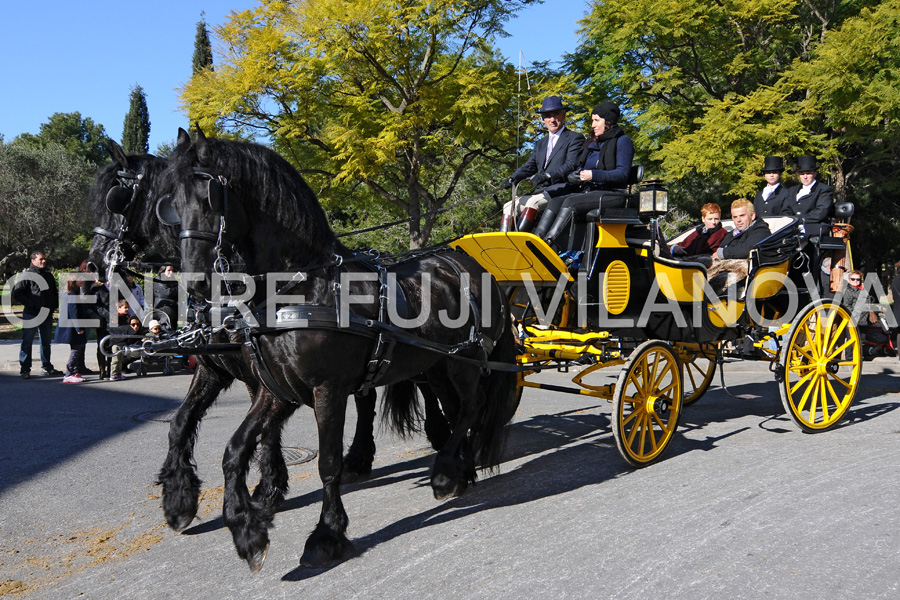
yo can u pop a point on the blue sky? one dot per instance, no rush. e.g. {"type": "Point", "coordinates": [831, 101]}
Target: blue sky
{"type": "Point", "coordinates": [64, 56]}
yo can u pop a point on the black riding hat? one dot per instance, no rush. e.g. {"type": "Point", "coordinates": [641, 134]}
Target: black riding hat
{"type": "Point", "coordinates": [773, 163]}
{"type": "Point", "coordinates": [806, 163]}
{"type": "Point", "coordinates": [552, 103]}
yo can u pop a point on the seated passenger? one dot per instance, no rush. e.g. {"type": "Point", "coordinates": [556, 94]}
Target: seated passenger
{"type": "Point", "coordinates": [858, 302]}
{"type": "Point", "coordinates": [706, 238]}
{"type": "Point", "coordinates": [730, 263]}
{"type": "Point", "coordinates": [605, 164]}
{"type": "Point", "coordinates": [811, 200]}
{"type": "Point", "coordinates": [770, 200]}
{"type": "Point", "coordinates": [553, 158]}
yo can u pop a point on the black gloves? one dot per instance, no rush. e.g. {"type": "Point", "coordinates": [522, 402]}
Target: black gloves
{"type": "Point", "coordinates": [539, 179]}
{"type": "Point", "coordinates": [574, 177]}
{"type": "Point", "coordinates": [508, 183]}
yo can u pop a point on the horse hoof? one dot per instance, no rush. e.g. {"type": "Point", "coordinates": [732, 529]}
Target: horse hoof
{"type": "Point", "coordinates": [353, 477]}
{"type": "Point", "coordinates": [256, 561]}
{"type": "Point", "coordinates": [181, 523]}
{"type": "Point", "coordinates": [444, 488]}
{"type": "Point", "coordinates": [320, 556]}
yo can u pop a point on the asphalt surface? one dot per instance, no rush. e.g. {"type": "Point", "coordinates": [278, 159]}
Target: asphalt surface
{"type": "Point", "coordinates": [743, 504]}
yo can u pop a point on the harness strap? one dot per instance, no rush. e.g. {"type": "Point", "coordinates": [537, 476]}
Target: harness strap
{"type": "Point", "coordinates": [265, 375]}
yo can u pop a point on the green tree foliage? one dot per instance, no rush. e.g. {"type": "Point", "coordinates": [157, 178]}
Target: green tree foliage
{"type": "Point", "coordinates": [385, 106]}
{"type": "Point", "coordinates": [79, 136]}
{"type": "Point", "coordinates": [715, 86]}
{"type": "Point", "coordinates": [42, 192]}
{"type": "Point", "coordinates": [136, 129]}
{"type": "Point", "coordinates": [203, 58]}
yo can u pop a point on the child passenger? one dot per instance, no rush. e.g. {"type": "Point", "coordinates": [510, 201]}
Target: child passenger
{"type": "Point", "coordinates": [705, 239]}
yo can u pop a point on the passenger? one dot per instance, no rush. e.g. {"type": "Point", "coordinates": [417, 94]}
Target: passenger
{"type": "Point", "coordinates": [810, 201]}
{"type": "Point", "coordinates": [165, 294]}
{"type": "Point", "coordinates": [605, 164]}
{"type": "Point", "coordinates": [858, 302]}
{"type": "Point", "coordinates": [770, 200]}
{"type": "Point", "coordinates": [553, 158]}
{"type": "Point", "coordinates": [706, 238]}
{"type": "Point", "coordinates": [730, 264]}
{"type": "Point", "coordinates": [127, 336]}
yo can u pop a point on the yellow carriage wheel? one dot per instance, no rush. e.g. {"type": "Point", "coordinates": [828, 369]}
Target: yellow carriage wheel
{"type": "Point", "coordinates": [523, 311]}
{"type": "Point", "coordinates": [821, 365]}
{"type": "Point", "coordinates": [699, 362]}
{"type": "Point", "coordinates": [647, 402]}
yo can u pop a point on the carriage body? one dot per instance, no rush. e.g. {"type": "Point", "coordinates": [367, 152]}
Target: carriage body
{"type": "Point", "coordinates": [618, 305]}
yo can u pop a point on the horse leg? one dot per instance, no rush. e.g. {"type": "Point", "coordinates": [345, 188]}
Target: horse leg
{"type": "Point", "coordinates": [328, 542]}
{"type": "Point", "coordinates": [359, 457]}
{"type": "Point", "coordinates": [273, 481]}
{"type": "Point", "coordinates": [247, 520]}
{"type": "Point", "coordinates": [437, 427]}
{"type": "Point", "coordinates": [178, 475]}
{"type": "Point", "coordinates": [454, 465]}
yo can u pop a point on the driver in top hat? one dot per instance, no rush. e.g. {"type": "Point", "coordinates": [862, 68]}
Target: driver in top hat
{"type": "Point", "coordinates": [555, 155]}
{"type": "Point", "coordinates": [811, 200]}
{"type": "Point", "coordinates": [770, 200]}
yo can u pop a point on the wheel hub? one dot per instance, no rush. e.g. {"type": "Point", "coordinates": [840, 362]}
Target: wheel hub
{"type": "Point", "coordinates": [658, 405]}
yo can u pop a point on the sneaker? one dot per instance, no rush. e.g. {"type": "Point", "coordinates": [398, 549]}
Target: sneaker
{"type": "Point", "coordinates": [118, 377]}
{"type": "Point", "coordinates": [26, 375]}
{"type": "Point", "coordinates": [76, 378]}
{"type": "Point", "coordinates": [51, 372]}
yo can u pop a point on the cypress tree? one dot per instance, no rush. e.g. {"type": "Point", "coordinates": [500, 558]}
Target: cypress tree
{"type": "Point", "coordinates": [136, 130]}
{"type": "Point", "coordinates": [203, 58]}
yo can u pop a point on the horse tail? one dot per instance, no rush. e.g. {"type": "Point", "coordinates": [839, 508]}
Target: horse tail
{"type": "Point", "coordinates": [499, 396]}
{"type": "Point", "coordinates": [401, 407]}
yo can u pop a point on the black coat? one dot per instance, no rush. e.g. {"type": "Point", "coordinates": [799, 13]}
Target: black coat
{"type": "Point", "coordinates": [28, 293]}
{"type": "Point", "coordinates": [813, 209]}
{"type": "Point", "coordinates": [69, 334]}
{"type": "Point", "coordinates": [740, 246]}
{"type": "Point", "coordinates": [563, 159]}
{"type": "Point", "coordinates": [773, 205]}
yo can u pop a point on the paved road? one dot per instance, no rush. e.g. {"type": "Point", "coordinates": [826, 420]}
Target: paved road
{"type": "Point", "coordinates": [744, 505]}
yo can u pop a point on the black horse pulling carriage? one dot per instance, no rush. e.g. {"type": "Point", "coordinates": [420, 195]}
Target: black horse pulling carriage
{"type": "Point", "coordinates": [471, 342]}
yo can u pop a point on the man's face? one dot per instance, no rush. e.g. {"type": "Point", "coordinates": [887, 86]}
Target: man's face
{"type": "Point", "coordinates": [807, 177]}
{"type": "Point", "coordinates": [554, 120]}
{"type": "Point", "coordinates": [39, 261]}
{"type": "Point", "coordinates": [742, 217]}
{"type": "Point", "coordinates": [772, 177]}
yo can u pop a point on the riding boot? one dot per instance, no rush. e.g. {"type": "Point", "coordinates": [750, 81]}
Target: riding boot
{"type": "Point", "coordinates": [526, 221]}
{"type": "Point", "coordinates": [561, 223]}
{"type": "Point", "coordinates": [545, 222]}
{"type": "Point", "coordinates": [506, 222]}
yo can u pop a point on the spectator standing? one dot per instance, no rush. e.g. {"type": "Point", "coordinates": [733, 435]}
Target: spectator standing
{"type": "Point", "coordinates": [71, 331]}
{"type": "Point", "coordinates": [165, 295]}
{"type": "Point", "coordinates": [29, 293]}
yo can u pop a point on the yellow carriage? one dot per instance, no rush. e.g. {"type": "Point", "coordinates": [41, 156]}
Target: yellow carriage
{"type": "Point", "coordinates": [621, 301]}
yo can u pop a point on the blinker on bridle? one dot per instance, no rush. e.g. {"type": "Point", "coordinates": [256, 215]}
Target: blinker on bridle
{"type": "Point", "coordinates": [120, 201]}
{"type": "Point", "coordinates": [217, 198]}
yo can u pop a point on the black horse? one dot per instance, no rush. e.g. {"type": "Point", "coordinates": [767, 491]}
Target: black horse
{"type": "Point", "coordinates": [244, 197]}
{"type": "Point", "coordinates": [123, 197]}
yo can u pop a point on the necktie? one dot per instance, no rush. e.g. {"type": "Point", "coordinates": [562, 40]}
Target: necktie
{"type": "Point", "coordinates": [549, 150]}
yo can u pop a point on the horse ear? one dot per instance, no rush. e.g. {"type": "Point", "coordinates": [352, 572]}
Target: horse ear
{"type": "Point", "coordinates": [118, 199]}
{"type": "Point", "coordinates": [216, 194]}
{"type": "Point", "coordinates": [184, 140]}
{"type": "Point", "coordinates": [118, 155]}
{"type": "Point", "coordinates": [202, 144]}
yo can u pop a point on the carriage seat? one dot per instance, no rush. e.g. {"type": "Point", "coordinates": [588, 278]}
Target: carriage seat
{"type": "Point", "coordinates": [627, 214]}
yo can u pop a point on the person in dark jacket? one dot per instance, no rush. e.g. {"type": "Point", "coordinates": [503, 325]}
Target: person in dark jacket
{"type": "Point", "coordinates": [37, 292]}
{"type": "Point", "coordinates": [706, 238]}
{"type": "Point", "coordinates": [125, 335]}
{"type": "Point", "coordinates": [553, 158]}
{"type": "Point", "coordinates": [731, 264]}
{"type": "Point", "coordinates": [811, 200]}
{"type": "Point", "coordinates": [72, 331]}
{"type": "Point", "coordinates": [165, 295]}
{"type": "Point", "coordinates": [770, 200]}
{"type": "Point", "coordinates": [601, 177]}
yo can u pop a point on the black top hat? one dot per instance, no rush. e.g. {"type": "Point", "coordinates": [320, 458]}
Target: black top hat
{"type": "Point", "coordinates": [552, 103]}
{"type": "Point", "coordinates": [773, 163]}
{"type": "Point", "coordinates": [806, 163]}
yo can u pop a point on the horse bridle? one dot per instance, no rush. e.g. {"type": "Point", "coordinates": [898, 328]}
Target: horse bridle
{"type": "Point", "coordinates": [217, 197]}
{"type": "Point", "coordinates": [120, 201]}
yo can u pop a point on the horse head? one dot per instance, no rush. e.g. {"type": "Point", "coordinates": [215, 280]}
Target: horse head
{"type": "Point", "coordinates": [122, 198]}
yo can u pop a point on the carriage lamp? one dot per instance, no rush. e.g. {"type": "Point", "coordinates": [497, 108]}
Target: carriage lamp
{"type": "Point", "coordinates": [654, 198]}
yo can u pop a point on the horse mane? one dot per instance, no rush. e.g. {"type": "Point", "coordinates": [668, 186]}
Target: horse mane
{"type": "Point", "coordinates": [264, 182]}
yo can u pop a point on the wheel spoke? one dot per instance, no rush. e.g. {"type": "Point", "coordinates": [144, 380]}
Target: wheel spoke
{"type": "Point", "coordinates": [841, 381]}
{"type": "Point", "coordinates": [837, 335]}
{"type": "Point", "coordinates": [801, 381]}
{"type": "Point", "coordinates": [805, 396]}
{"type": "Point", "coordinates": [847, 344]}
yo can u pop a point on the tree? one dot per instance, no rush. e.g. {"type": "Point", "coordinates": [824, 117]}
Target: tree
{"type": "Point", "coordinates": [43, 188]}
{"type": "Point", "coordinates": [203, 58]}
{"type": "Point", "coordinates": [79, 136]}
{"type": "Point", "coordinates": [389, 104]}
{"type": "Point", "coordinates": [715, 86]}
{"type": "Point", "coordinates": [136, 129]}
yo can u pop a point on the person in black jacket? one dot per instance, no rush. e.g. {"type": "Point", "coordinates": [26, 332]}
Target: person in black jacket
{"type": "Point", "coordinates": [731, 264]}
{"type": "Point", "coordinates": [37, 292]}
{"type": "Point", "coordinates": [770, 200]}
{"type": "Point", "coordinates": [71, 330]}
{"type": "Point", "coordinates": [811, 200]}
{"type": "Point", "coordinates": [547, 170]}
{"type": "Point", "coordinates": [165, 295]}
